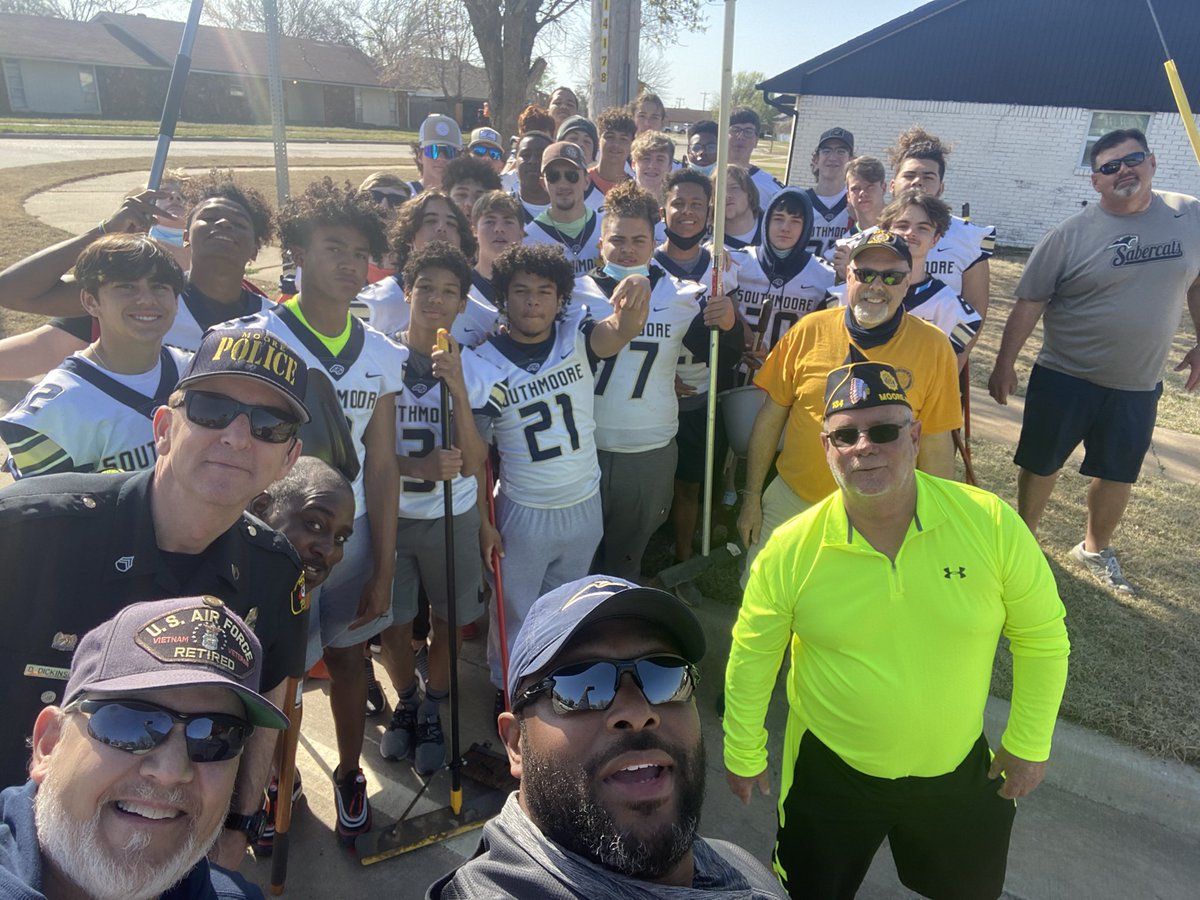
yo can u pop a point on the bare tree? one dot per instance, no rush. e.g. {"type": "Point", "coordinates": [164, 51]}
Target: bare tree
{"type": "Point", "coordinates": [79, 10]}
{"type": "Point", "coordinates": [315, 20]}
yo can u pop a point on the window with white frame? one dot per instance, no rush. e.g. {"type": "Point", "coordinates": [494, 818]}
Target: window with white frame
{"type": "Point", "coordinates": [16, 86]}
{"type": "Point", "coordinates": [1103, 122]}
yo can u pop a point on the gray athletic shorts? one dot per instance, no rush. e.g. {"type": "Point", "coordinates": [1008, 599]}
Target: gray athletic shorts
{"type": "Point", "coordinates": [636, 490]}
{"type": "Point", "coordinates": [341, 593]}
{"type": "Point", "coordinates": [421, 560]}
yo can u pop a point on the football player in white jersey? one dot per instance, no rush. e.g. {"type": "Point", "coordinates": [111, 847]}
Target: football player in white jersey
{"type": "Point", "coordinates": [831, 211]}
{"type": "Point", "coordinates": [744, 128]}
{"type": "Point", "coordinates": [702, 146]}
{"type": "Point", "coordinates": [581, 131]}
{"type": "Point", "coordinates": [548, 511]}
{"type": "Point", "coordinates": [430, 216]}
{"type": "Point", "coordinates": [333, 234]}
{"type": "Point", "coordinates": [637, 410]}
{"type": "Point", "coordinates": [960, 258]}
{"type": "Point", "coordinates": [922, 220]}
{"type": "Point", "coordinates": [743, 214]}
{"type": "Point", "coordinates": [466, 180]}
{"type": "Point", "coordinates": [617, 131]}
{"type": "Point", "coordinates": [95, 410]}
{"type": "Point", "coordinates": [685, 212]}
{"type": "Point", "coordinates": [438, 277]}
{"type": "Point", "coordinates": [530, 190]}
{"type": "Point", "coordinates": [568, 223]}
{"type": "Point", "coordinates": [497, 221]}
{"type": "Point", "coordinates": [866, 194]}
{"type": "Point", "coordinates": [225, 229]}
{"type": "Point", "coordinates": [783, 269]}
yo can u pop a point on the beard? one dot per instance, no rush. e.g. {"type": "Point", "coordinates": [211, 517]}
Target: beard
{"type": "Point", "coordinates": [871, 315]}
{"type": "Point", "coordinates": [562, 801]}
{"type": "Point", "coordinates": [76, 850]}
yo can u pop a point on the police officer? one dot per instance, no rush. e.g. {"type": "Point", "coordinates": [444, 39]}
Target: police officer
{"type": "Point", "coordinates": [76, 548]}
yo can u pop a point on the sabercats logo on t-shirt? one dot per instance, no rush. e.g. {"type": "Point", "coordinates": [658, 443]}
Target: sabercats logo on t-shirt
{"type": "Point", "coordinates": [1130, 251]}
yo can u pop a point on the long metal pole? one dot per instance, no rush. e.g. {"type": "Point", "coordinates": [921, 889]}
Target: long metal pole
{"type": "Point", "coordinates": [174, 101]}
{"type": "Point", "coordinates": [275, 91]}
{"type": "Point", "coordinates": [718, 260]}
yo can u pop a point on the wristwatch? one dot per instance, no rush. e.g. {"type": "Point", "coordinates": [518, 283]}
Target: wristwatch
{"type": "Point", "coordinates": [252, 826]}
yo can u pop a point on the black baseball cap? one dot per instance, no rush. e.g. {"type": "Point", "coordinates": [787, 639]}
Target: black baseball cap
{"type": "Point", "coordinates": [180, 642]}
{"type": "Point", "coordinates": [862, 384]}
{"type": "Point", "coordinates": [837, 134]}
{"type": "Point", "coordinates": [887, 240]}
{"type": "Point", "coordinates": [253, 353]}
{"type": "Point", "coordinates": [558, 616]}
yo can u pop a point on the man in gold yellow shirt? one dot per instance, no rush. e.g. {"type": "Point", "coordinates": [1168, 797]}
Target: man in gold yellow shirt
{"type": "Point", "coordinates": [892, 594]}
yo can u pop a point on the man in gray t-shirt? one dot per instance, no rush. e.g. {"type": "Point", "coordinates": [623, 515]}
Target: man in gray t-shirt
{"type": "Point", "coordinates": [1110, 283]}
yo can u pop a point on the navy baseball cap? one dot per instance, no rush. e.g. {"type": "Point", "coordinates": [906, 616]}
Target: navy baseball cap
{"type": "Point", "coordinates": [181, 642]}
{"type": "Point", "coordinates": [837, 134]}
{"type": "Point", "coordinates": [254, 353]}
{"type": "Point", "coordinates": [558, 616]}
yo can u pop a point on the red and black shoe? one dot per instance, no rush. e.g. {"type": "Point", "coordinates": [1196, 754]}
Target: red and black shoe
{"type": "Point", "coordinates": [265, 845]}
{"type": "Point", "coordinates": [353, 808]}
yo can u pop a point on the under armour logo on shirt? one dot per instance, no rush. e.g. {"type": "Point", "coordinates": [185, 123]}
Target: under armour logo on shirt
{"type": "Point", "coordinates": [961, 572]}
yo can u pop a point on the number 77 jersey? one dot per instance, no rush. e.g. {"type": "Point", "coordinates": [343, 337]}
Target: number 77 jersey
{"type": "Point", "coordinates": [545, 432]}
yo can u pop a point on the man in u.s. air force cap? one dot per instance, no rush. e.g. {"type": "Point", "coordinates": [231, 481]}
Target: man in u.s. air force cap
{"type": "Point", "coordinates": [253, 353]}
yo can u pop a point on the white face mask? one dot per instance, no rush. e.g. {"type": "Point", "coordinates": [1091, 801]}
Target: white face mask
{"type": "Point", "coordinates": [620, 272]}
{"type": "Point", "coordinates": [703, 170]}
{"type": "Point", "coordinates": [172, 237]}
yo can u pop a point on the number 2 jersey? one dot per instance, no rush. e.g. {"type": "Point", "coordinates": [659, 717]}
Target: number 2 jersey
{"type": "Point", "coordinates": [369, 366]}
{"type": "Point", "coordinates": [545, 431]}
{"type": "Point", "coordinates": [419, 428]}
{"type": "Point", "coordinates": [636, 405]}
{"type": "Point", "coordinates": [82, 418]}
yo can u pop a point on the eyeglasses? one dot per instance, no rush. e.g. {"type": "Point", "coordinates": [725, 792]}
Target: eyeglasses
{"type": "Point", "coordinates": [586, 686]}
{"type": "Point", "coordinates": [553, 175]}
{"type": "Point", "coordinates": [388, 198]}
{"type": "Point", "coordinates": [493, 152]}
{"type": "Point", "coordinates": [137, 727]}
{"type": "Point", "coordinates": [744, 131]}
{"type": "Point", "coordinates": [217, 411]}
{"type": "Point", "coordinates": [704, 148]}
{"type": "Point", "coordinates": [1133, 160]}
{"type": "Point", "coordinates": [868, 276]}
{"type": "Point", "coordinates": [885, 433]}
{"type": "Point", "coordinates": [440, 151]}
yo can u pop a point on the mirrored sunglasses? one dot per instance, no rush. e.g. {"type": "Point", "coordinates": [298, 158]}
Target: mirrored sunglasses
{"type": "Point", "coordinates": [440, 151]}
{"type": "Point", "coordinates": [586, 686]}
{"type": "Point", "coordinates": [138, 727]}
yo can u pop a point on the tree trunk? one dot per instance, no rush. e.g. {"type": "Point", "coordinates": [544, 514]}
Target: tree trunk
{"type": "Point", "coordinates": [505, 38]}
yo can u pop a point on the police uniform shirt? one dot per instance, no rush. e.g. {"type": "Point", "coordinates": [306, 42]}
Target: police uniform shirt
{"type": "Point", "coordinates": [793, 299]}
{"type": "Point", "coordinates": [963, 245]}
{"type": "Point", "coordinates": [581, 251]}
{"type": "Point", "coordinates": [636, 405]}
{"type": "Point", "coordinates": [892, 660]}
{"type": "Point", "coordinates": [830, 223]}
{"type": "Point", "coordinates": [419, 428]}
{"type": "Point", "coordinates": [768, 185]}
{"type": "Point", "coordinates": [692, 370]}
{"type": "Point", "coordinates": [545, 432]}
{"type": "Point", "coordinates": [76, 548]}
{"type": "Point", "coordinates": [82, 418]}
{"type": "Point", "coordinates": [932, 301]}
{"type": "Point", "coordinates": [369, 367]}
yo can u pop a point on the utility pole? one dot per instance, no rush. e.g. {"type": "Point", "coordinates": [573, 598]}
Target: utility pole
{"type": "Point", "coordinates": [616, 26]}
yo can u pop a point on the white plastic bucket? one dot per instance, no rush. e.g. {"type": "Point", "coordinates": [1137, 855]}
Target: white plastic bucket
{"type": "Point", "coordinates": [739, 409]}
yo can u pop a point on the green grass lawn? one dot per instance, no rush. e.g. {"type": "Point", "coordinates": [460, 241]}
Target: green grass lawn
{"type": "Point", "coordinates": [124, 128]}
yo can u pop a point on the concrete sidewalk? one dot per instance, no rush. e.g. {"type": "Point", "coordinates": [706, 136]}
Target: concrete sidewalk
{"type": "Point", "coordinates": [1108, 823]}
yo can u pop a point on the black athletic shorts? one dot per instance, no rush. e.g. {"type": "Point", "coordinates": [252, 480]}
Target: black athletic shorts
{"type": "Point", "coordinates": [1115, 426]}
{"type": "Point", "coordinates": [949, 834]}
{"type": "Point", "coordinates": [689, 467]}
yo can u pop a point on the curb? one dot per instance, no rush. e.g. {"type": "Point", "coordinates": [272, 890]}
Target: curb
{"type": "Point", "coordinates": [1103, 770]}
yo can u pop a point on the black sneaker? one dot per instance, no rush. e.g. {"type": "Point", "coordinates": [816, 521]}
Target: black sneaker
{"type": "Point", "coordinates": [375, 701]}
{"type": "Point", "coordinates": [401, 735]}
{"type": "Point", "coordinates": [430, 754]}
{"type": "Point", "coordinates": [353, 808]}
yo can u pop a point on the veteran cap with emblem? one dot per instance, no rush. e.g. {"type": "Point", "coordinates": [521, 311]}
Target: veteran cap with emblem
{"type": "Point", "coordinates": [253, 353]}
{"type": "Point", "coordinates": [862, 384]}
{"type": "Point", "coordinates": [182, 642]}
{"type": "Point", "coordinates": [558, 616]}
{"type": "Point", "coordinates": [886, 240]}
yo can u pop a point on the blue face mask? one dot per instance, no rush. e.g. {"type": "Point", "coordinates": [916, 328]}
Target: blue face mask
{"type": "Point", "coordinates": [619, 272]}
{"type": "Point", "coordinates": [171, 236]}
{"type": "Point", "coordinates": [703, 170]}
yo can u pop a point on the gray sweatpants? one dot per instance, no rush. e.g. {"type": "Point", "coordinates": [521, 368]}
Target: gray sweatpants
{"type": "Point", "coordinates": [636, 491]}
{"type": "Point", "coordinates": [543, 548]}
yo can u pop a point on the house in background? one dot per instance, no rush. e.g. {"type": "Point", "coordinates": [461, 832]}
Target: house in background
{"type": "Point", "coordinates": [1022, 89]}
{"type": "Point", "coordinates": [119, 67]}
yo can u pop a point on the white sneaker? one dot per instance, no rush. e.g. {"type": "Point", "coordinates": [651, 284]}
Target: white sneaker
{"type": "Point", "coordinates": [1104, 567]}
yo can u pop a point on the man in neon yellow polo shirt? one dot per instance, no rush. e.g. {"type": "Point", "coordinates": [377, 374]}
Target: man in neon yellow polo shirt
{"type": "Point", "coordinates": [893, 593]}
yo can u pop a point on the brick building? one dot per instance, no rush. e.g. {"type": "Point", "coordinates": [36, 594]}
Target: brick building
{"type": "Point", "coordinates": [1021, 89]}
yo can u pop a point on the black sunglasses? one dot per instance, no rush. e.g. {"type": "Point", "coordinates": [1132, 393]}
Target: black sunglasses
{"type": "Point", "coordinates": [481, 151]}
{"type": "Point", "coordinates": [553, 175]}
{"type": "Point", "coordinates": [876, 434]}
{"type": "Point", "coordinates": [138, 727]}
{"type": "Point", "coordinates": [217, 411]}
{"type": "Point", "coordinates": [392, 200]}
{"type": "Point", "coordinates": [868, 276]}
{"type": "Point", "coordinates": [1133, 160]}
{"type": "Point", "coordinates": [585, 686]}
{"type": "Point", "coordinates": [440, 151]}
